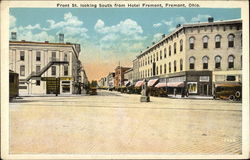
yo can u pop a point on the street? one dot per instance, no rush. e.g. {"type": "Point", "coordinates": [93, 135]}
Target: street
{"type": "Point", "coordinates": [116, 123]}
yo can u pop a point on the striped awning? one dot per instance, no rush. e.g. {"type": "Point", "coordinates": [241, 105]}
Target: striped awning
{"type": "Point", "coordinates": [175, 84]}
{"type": "Point", "coordinates": [152, 82]}
{"type": "Point", "coordinates": [139, 84]}
{"type": "Point", "coordinates": [162, 84]}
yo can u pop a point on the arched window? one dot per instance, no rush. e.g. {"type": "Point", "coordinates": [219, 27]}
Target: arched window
{"type": "Point", "coordinates": [146, 73]}
{"type": "Point", "coordinates": [191, 62]}
{"type": "Point", "coordinates": [175, 66]}
{"type": "Point", "coordinates": [191, 43]}
{"type": "Point", "coordinates": [169, 67]}
{"type": "Point", "coordinates": [205, 41]}
{"type": "Point", "coordinates": [154, 57]}
{"type": "Point", "coordinates": [160, 54]}
{"type": "Point", "coordinates": [230, 40]}
{"type": "Point", "coordinates": [169, 51]}
{"type": "Point", "coordinates": [230, 61]}
{"type": "Point", "coordinates": [65, 57]}
{"type": "Point", "coordinates": [205, 62]}
{"type": "Point", "coordinates": [165, 68]}
{"type": "Point", "coordinates": [218, 62]}
{"type": "Point", "coordinates": [174, 48]}
{"type": "Point", "coordinates": [217, 41]}
{"type": "Point", "coordinates": [165, 53]}
{"type": "Point", "coordinates": [160, 69]}
{"type": "Point", "coordinates": [181, 65]}
{"type": "Point", "coordinates": [157, 56]}
{"type": "Point", "coordinates": [181, 45]}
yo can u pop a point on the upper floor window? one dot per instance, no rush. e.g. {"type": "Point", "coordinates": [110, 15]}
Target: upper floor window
{"type": "Point", "coordinates": [151, 59]}
{"type": "Point", "coordinates": [22, 70]}
{"type": "Point", "coordinates": [191, 62]}
{"type": "Point", "coordinates": [205, 41]}
{"type": "Point", "coordinates": [231, 40]}
{"type": "Point", "coordinates": [38, 68]}
{"type": "Point", "coordinates": [160, 69]}
{"type": "Point", "coordinates": [165, 52]}
{"type": "Point", "coordinates": [218, 62]}
{"type": "Point", "coordinates": [174, 48]}
{"type": "Point", "coordinates": [38, 56]}
{"type": "Point", "coordinates": [169, 67]}
{"type": "Point", "coordinates": [22, 56]}
{"type": "Point", "coordinates": [205, 62]}
{"type": "Point", "coordinates": [217, 41]}
{"type": "Point", "coordinates": [165, 68]}
{"type": "Point", "coordinates": [191, 43]}
{"type": "Point", "coordinates": [53, 70]}
{"type": "Point", "coordinates": [157, 70]}
{"type": "Point", "coordinates": [160, 54]}
{"type": "Point", "coordinates": [175, 66]}
{"type": "Point", "coordinates": [181, 65]}
{"type": "Point", "coordinates": [53, 56]}
{"type": "Point", "coordinates": [154, 57]}
{"type": "Point", "coordinates": [65, 58]}
{"type": "Point", "coordinates": [157, 56]}
{"type": "Point", "coordinates": [181, 45]}
{"type": "Point", "coordinates": [169, 51]}
{"type": "Point", "coordinates": [230, 61]}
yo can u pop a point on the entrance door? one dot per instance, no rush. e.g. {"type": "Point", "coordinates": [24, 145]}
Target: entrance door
{"type": "Point", "coordinates": [205, 89]}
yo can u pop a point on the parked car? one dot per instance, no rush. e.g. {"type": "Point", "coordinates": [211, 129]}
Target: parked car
{"type": "Point", "coordinates": [228, 91]}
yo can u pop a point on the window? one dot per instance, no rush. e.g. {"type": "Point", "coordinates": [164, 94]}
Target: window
{"type": "Point", "coordinates": [175, 66]}
{"type": "Point", "coordinates": [38, 56]}
{"type": "Point", "coordinates": [169, 67]}
{"type": "Point", "coordinates": [157, 70]}
{"type": "Point", "coordinates": [165, 53]}
{"type": "Point", "coordinates": [191, 62]}
{"type": "Point", "coordinates": [192, 87]}
{"type": "Point", "coordinates": [53, 70]}
{"type": "Point", "coordinates": [65, 58]}
{"type": "Point", "coordinates": [53, 56]}
{"type": "Point", "coordinates": [160, 54]}
{"type": "Point", "coordinates": [169, 51]}
{"type": "Point", "coordinates": [191, 43]}
{"type": "Point", "coordinates": [205, 41]}
{"type": "Point", "coordinates": [217, 41]}
{"type": "Point", "coordinates": [231, 78]}
{"type": "Point", "coordinates": [66, 70]}
{"type": "Point", "coordinates": [151, 59]}
{"type": "Point", "coordinates": [21, 55]}
{"type": "Point", "coordinates": [38, 68]}
{"type": "Point", "coordinates": [205, 62]}
{"type": "Point", "coordinates": [217, 62]}
{"type": "Point", "coordinates": [174, 48]}
{"type": "Point", "coordinates": [154, 57]}
{"type": "Point", "coordinates": [181, 65]}
{"type": "Point", "coordinates": [231, 61]}
{"type": "Point", "coordinates": [38, 82]}
{"type": "Point", "coordinates": [157, 56]}
{"type": "Point", "coordinates": [22, 70]}
{"type": "Point", "coordinates": [165, 68]}
{"type": "Point", "coordinates": [231, 40]}
{"type": "Point", "coordinates": [181, 45]}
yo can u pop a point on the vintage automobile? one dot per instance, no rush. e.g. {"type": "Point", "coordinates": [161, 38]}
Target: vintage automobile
{"type": "Point", "coordinates": [93, 91]}
{"type": "Point", "coordinates": [229, 91]}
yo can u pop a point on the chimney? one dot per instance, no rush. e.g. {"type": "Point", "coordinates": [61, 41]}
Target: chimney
{"type": "Point", "coordinates": [210, 19]}
{"type": "Point", "coordinates": [61, 38]}
{"type": "Point", "coordinates": [13, 36]}
{"type": "Point", "coordinates": [178, 25]}
{"type": "Point", "coordinates": [153, 43]}
{"type": "Point", "coordinates": [163, 35]}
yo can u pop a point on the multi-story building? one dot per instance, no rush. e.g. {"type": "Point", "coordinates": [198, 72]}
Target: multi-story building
{"type": "Point", "coordinates": [128, 77]}
{"type": "Point", "coordinates": [195, 56]}
{"type": "Point", "coordinates": [111, 80]}
{"type": "Point", "coordinates": [135, 70]}
{"type": "Point", "coordinates": [83, 79]}
{"type": "Point", "coordinates": [119, 75]}
{"type": "Point", "coordinates": [44, 67]}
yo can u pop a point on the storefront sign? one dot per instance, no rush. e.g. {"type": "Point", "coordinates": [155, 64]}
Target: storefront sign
{"type": "Point", "coordinates": [204, 78]}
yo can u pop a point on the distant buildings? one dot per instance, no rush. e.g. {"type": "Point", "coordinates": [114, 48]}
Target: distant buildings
{"type": "Point", "coordinates": [194, 57]}
{"type": "Point", "coordinates": [46, 68]}
{"type": "Point", "coordinates": [119, 75]}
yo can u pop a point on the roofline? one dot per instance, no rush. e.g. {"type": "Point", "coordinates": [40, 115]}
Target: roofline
{"type": "Point", "coordinates": [187, 26]}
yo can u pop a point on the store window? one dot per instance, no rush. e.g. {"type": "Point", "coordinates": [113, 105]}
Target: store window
{"type": "Point", "coordinates": [192, 87]}
{"type": "Point", "coordinates": [217, 41]}
{"type": "Point", "coordinates": [205, 41]}
{"type": "Point", "coordinates": [217, 62]}
{"type": "Point", "coordinates": [205, 62]}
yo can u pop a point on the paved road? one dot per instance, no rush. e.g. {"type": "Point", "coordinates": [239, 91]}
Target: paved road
{"type": "Point", "coordinates": [118, 123]}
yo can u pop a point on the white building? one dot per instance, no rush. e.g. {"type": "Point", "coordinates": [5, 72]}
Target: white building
{"type": "Point", "coordinates": [45, 68]}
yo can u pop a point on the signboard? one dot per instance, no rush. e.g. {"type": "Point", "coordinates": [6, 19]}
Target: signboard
{"type": "Point", "coordinates": [54, 78]}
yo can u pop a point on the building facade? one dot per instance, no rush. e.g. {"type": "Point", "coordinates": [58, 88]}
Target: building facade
{"type": "Point", "coordinates": [119, 75]}
{"type": "Point", "coordinates": [111, 80]}
{"type": "Point", "coordinates": [45, 68]}
{"type": "Point", "coordinates": [194, 57]}
{"type": "Point", "coordinates": [128, 77]}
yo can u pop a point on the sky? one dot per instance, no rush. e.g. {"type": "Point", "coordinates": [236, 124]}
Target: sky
{"type": "Point", "coordinates": [108, 35]}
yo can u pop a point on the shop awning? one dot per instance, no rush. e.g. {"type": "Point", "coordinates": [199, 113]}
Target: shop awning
{"type": "Point", "coordinates": [159, 85]}
{"type": "Point", "coordinates": [229, 84]}
{"type": "Point", "coordinates": [152, 82]}
{"type": "Point", "coordinates": [175, 84]}
{"type": "Point", "coordinates": [139, 84]}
